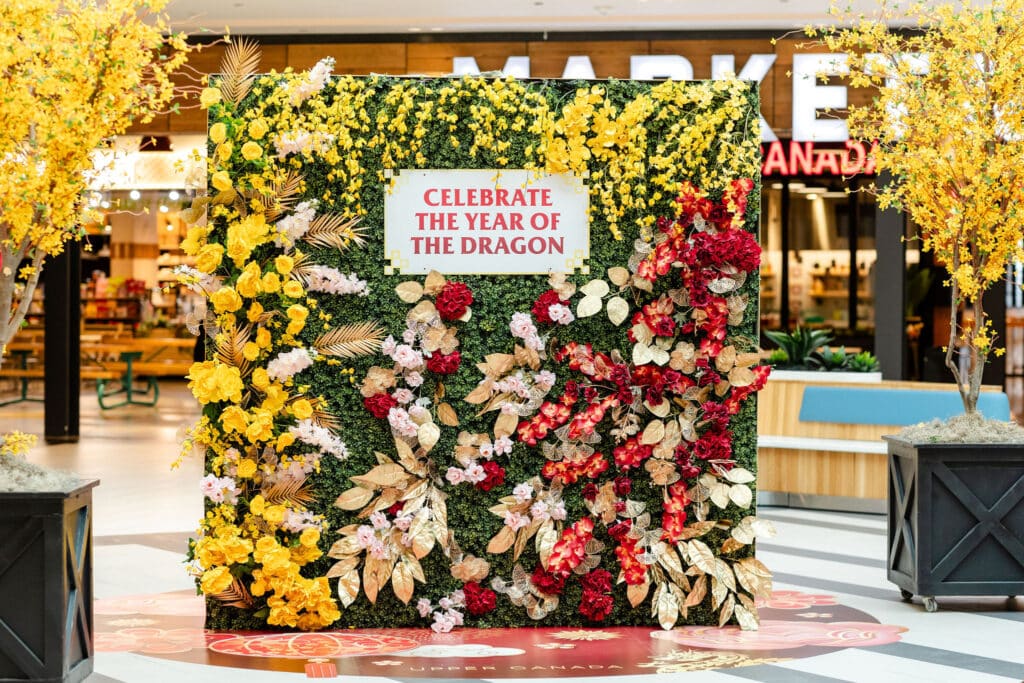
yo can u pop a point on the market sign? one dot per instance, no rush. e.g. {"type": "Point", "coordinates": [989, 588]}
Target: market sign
{"type": "Point", "coordinates": [486, 222]}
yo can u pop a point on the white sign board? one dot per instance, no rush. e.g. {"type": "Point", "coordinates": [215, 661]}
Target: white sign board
{"type": "Point", "coordinates": [486, 222]}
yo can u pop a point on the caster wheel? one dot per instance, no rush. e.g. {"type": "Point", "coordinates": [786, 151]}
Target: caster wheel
{"type": "Point", "coordinates": [906, 595]}
{"type": "Point", "coordinates": [929, 604]}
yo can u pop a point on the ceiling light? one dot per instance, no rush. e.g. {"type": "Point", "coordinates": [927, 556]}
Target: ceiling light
{"type": "Point", "coordinates": [437, 28]}
{"type": "Point", "coordinates": [170, 227]}
{"type": "Point", "coordinates": [107, 228]}
{"type": "Point", "coordinates": [105, 204]}
{"type": "Point", "coordinates": [164, 209]}
{"type": "Point", "coordinates": [135, 195]}
{"type": "Point", "coordinates": [415, 29]}
{"type": "Point", "coordinates": [173, 195]}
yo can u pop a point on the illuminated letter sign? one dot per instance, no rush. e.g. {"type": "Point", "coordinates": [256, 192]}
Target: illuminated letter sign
{"type": "Point", "coordinates": [794, 158]}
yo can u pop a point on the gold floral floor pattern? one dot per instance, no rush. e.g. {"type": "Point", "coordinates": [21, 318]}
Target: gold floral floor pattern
{"type": "Point", "coordinates": [794, 625]}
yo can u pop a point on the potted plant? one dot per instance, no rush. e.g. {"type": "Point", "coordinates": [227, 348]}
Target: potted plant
{"type": "Point", "coordinates": [948, 115]}
{"type": "Point", "coordinates": [75, 74]}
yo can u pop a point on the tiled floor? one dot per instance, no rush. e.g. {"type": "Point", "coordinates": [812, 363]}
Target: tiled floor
{"type": "Point", "coordinates": [834, 617]}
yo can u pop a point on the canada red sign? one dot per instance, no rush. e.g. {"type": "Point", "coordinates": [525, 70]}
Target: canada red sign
{"type": "Point", "coordinates": [792, 158]}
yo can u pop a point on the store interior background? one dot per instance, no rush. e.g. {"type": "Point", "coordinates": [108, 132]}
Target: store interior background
{"type": "Point", "coordinates": [818, 232]}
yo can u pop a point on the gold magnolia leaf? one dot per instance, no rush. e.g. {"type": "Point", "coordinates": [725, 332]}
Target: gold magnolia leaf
{"type": "Point", "coordinates": [348, 588]}
{"type": "Point", "coordinates": [434, 283]}
{"type": "Point", "coordinates": [653, 433]}
{"type": "Point", "coordinates": [371, 580]}
{"type": "Point", "coordinates": [637, 593]}
{"type": "Point", "coordinates": [410, 292]}
{"type": "Point", "coordinates": [668, 609]}
{"type": "Point", "coordinates": [746, 618]}
{"type": "Point", "coordinates": [731, 545]}
{"type": "Point", "coordinates": [618, 310]}
{"type": "Point", "coordinates": [754, 576]}
{"type": "Point", "coordinates": [447, 415]}
{"type": "Point", "coordinates": [723, 572]}
{"type": "Point", "coordinates": [354, 498]}
{"type": "Point", "coordinates": [342, 567]}
{"type": "Point", "coordinates": [522, 537]}
{"type": "Point", "coordinates": [726, 612]}
{"type": "Point", "coordinates": [428, 435]}
{"type": "Point", "coordinates": [741, 377]}
{"type": "Point", "coordinates": [667, 557]}
{"type": "Point", "coordinates": [238, 67]}
{"type": "Point", "coordinates": [402, 582]}
{"type": "Point", "coordinates": [471, 568]}
{"type": "Point", "coordinates": [718, 592]}
{"type": "Point", "coordinates": [481, 394]}
{"type": "Point", "coordinates": [547, 536]}
{"type": "Point", "coordinates": [699, 591]}
{"type": "Point", "coordinates": [382, 476]}
{"type": "Point", "coordinates": [619, 276]}
{"type": "Point", "coordinates": [726, 359]}
{"type": "Point", "coordinates": [350, 341]}
{"type": "Point", "coordinates": [335, 231]}
{"type": "Point", "coordinates": [502, 541]}
{"type": "Point", "coordinates": [235, 595]}
{"type": "Point", "coordinates": [289, 490]}
{"type": "Point", "coordinates": [344, 547]}
{"type": "Point", "coordinates": [701, 556]}
{"type": "Point", "coordinates": [505, 425]}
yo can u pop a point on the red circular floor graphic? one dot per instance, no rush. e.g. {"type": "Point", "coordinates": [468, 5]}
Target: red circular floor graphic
{"type": "Point", "coordinates": [311, 645]}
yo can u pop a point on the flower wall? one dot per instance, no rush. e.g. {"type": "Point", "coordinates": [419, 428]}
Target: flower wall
{"type": "Point", "coordinates": [394, 450]}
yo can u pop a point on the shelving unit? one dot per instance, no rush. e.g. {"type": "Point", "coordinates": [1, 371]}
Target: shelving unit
{"type": "Point", "coordinates": [111, 309]}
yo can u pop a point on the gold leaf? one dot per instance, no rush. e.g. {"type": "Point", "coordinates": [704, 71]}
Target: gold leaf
{"type": "Point", "coordinates": [667, 557]}
{"type": "Point", "coordinates": [289, 490]}
{"type": "Point", "coordinates": [335, 231]}
{"type": "Point", "coordinates": [738, 475]}
{"type": "Point", "coordinates": [235, 595]}
{"type": "Point", "coordinates": [402, 582]}
{"type": "Point", "coordinates": [720, 494]}
{"type": "Point", "coordinates": [502, 541]}
{"type": "Point", "coordinates": [522, 537]}
{"type": "Point", "coordinates": [653, 433]}
{"type": "Point", "coordinates": [597, 288]}
{"type": "Point", "coordinates": [382, 476]}
{"type": "Point", "coordinates": [471, 568]}
{"type": "Point", "coordinates": [726, 359]}
{"type": "Point", "coordinates": [731, 545]}
{"type": "Point", "coordinates": [763, 528]}
{"type": "Point", "coordinates": [565, 289]}
{"type": "Point", "coordinates": [354, 498]}
{"type": "Point", "coordinates": [344, 547]}
{"type": "Point", "coordinates": [410, 292]}
{"type": "Point", "coordinates": [741, 377]}
{"type": "Point", "coordinates": [663, 472]}
{"type": "Point", "coordinates": [619, 276]}
{"type": "Point", "coordinates": [428, 435]}
{"type": "Point", "coordinates": [697, 529]}
{"type": "Point", "coordinates": [641, 353]}
{"type": "Point", "coordinates": [744, 531]}
{"type": "Point", "coordinates": [723, 572]}
{"type": "Point", "coordinates": [527, 357]}
{"type": "Point", "coordinates": [342, 567]}
{"type": "Point", "coordinates": [747, 359]}
{"type": "Point", "coordinates": [741, 495]}
{"type": "Point", "coordinates": [718, 592]}
{"type": "Point", "coordinates": [348, 588]}
{"type": "Point", "coordinates": [638, 593]}
{"type": "Point", "coordinates": [447, 415]}
{"type": "Point", "coordinates": [350, 341]}
{"type": "Point", "coordinates": [660, 410]}
{"type": "Point", "coordinates": [505, 425]}
{"type": "Point", "coordinates": [588, 306]}
{"type": "Point", "coordinates": [618, 310]}
{"type": "Point", "coordinates": [701, 556]}
{"type": "Point", "coordinates": [547, 536]}
{"type": "Point", "coordinates": [415, 568]}
{"type": "Point", "coordinates": [746, 618]}
{"type": "Point", "coordinates": [481, 393]}
{"type": "Point", "coordinates": [371, 581]}
{"type": "Point", "coordinates": [668, 609]}
{"type": "Point", "coordinates": [700, 590]}
{"type": "Point", "coordinates": [283, 194]}
{"type": "Point", "coordinates": [423, 312]}
{"type": "Point", "coordinates": [753, 576]}
{"type": "Point", "coordinates": [434, 283]}
{"type": "Point", "coordinates": [498, 364]}
{"type": "Point", "coordinates": [230, 344]}
{"type": "Point", "coordinates": [238, 67]}
{"type": "Point", "coordinates": [726, 612]}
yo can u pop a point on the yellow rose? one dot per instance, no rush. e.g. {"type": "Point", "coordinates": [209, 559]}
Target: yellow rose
{"type": "Point", "coordinates": [251, 150]}
{"type": "Point", "coordinates": [294, 289]}
{"type": "Point", "coordinates": [255, 311]}
{"type": "Point", "coordinates": [234, 419]}
{"type": "Point", "coordinates": [297, 313]}
{"type": "Point", "coordinates": [246, 468]}
{"type": "Point", "coordinates": [213, 382]}
{"type": "Point", "coordinates": [271, 282]}
{"type": "Point", "coordinates": [263, 338]}
{"type": "Point", "coordinates": [309, 537]}
{"type": "Point", "coordinates": [284, 441]}
{"type": "Point", "coordinates": [209, 257]}
{"type": "Point", "coordinates": [236, 550]}
{"type": "Point", "coordinates": [248, 283]}
{"type": "Point", "coordinates": [257, 505]}
{"type": "Point", "coordinates": [266, 544]}
{"type": "Point", "coordinates": [284, 264]}
{"type": "Point", "coordinates": [224, 151]}
{"type": "Point", "coordinates": [302, 409]}
{"type": "Point", "coordinates": [251, 351]}
{"type": "Point", "coordinates": [215, 580]}
{"type": "Point", "coordinates": [221, 181]}
{"type": "Point", "coordinates": [226, 300]}
{"type": "Point", "coordinates": [209, 97]}
{"type": "Point", "coordinates": [275, 400]}
{"type": "Point", "coordinates": [244, 236]}
{"type": "Point", "coordinates": [261, 427]}
{"type": "Point", "coordinates": [257, 129]}
{"type": "Point", "coordinates": [218, 133]}
{"type": "Point", "coordinates": [260, 380]}
{"type": "Point", "coordinates": [193, 241]}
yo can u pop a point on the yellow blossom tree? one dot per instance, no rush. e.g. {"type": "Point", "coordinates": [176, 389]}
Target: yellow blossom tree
{"type": "Point", "coordinates": [75, 73]}
{"type": "Point", "coordinates": [949, 120]}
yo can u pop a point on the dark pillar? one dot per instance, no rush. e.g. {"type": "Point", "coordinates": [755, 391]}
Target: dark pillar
{"type": "Point", "coordinates": [995, 309]}
{"type": "Point", "coordinates": [784, 278]}
{"type": "Point", "coordinates": [853, 211]}
{"type": "Point", "coordinates": [890, 276]}
{"type": "Point", "coordinates": [63, 353]}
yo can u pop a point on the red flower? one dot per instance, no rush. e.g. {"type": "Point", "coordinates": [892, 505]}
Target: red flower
{"type": "Point", "coordinates": [479, 600]}
{"type": "Point", "coordinates": [631, 453]}
{"type": "Point", "coordinates": [453, 300]}
{"type": "Point", "coordinates": [568, 551]}
{"type": "Point", "coordinates": [379, 405]}
{"type": "Point", "coordinates": [596, 606]}
{"type": "Point", "coordinates": [623, 486]}
{"type": "Point", "coordinates": [598, 581]}
{"type": "Point", "coordinates": [444, 364]}
{"type": "Point", "coordinates": [543, 303]}
{"type": "Point", "coordinates": [495, 476]}
{"type": "Point", "coordinates": [546, 582]}
{"type": "Point", "coordinates": [633, 570]}
{"type": "Point", "coordinates": [619, 531]}
{"type": "Point", "coordinates": [590, 491]}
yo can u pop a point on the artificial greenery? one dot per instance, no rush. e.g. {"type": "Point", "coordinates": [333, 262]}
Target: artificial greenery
{"type": "Point", "coordinates": [808, 349]}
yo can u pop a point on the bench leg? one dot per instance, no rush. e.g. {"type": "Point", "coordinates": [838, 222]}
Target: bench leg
{"type": "Point", "coordinates": [23, 394]}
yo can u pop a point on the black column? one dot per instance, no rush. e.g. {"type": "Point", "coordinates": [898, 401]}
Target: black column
{"type": "Point", "coordinates": [784, 246]}
{"type": "Point", "coordinates": [62, 357]}
{"type": "Point", "coordinates": [854, 284]}
{"type": "Point", "coordinates": [890, 277]}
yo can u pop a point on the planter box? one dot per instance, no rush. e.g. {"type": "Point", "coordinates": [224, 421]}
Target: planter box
{"type": "Point", "coordinates": [46, 619]}
{"type": "Point", "coordinates": [956, 519]}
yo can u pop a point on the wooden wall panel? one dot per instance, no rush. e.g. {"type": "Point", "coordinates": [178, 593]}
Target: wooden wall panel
{"type": "Point", "coordinates": [435, 59]}
{"type": "Point", "coordinates": [610, 58]}
{"type": "Point", "coordinates": [358, 59]}
{"type": "Point", "coordinates": [853, 475]}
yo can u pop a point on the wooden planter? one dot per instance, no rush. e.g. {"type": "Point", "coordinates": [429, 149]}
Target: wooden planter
{"type": "Point", "coordinates": [46, 619]}
{"type": "Point", "coordinates": [956, 519]}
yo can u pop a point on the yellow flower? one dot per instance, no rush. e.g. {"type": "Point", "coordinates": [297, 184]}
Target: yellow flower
{"type": "Point", "coordinates": [251, 151]}
{"type": "Point", "coordinates": [294, 289]}
{"type": "Point", "coordinates": [302, 409]}
{"type": "Point", "coordinates": [271, 282]}
{"type": "Point", "coordinates": [209, 97]}
{"type": "Point", "coordinates": [221, 181]}
{"type": "Point", "coordinates": [213, 382]}
{"type": "Point", "coordinates": [257, 505]}
{"type": "Point", "coordinates": [244, 236]}
{"type": "Point", "coordinates": [284, 441]}
{"type": "Point", "coordinates": [224, 151]}
{"type": "Point", "coordinates": [309, 537]}
{"type": "Point", "coordinates": [255, 311]}
{"type": "Point", "coordinates": [257, 129]}
{"type": "Point", "coordinates": [261, 426]}
{"type": "Point", "coordinates": [248, 283]}
{"type": "Point", "coordinates": [234, 419]}
{"type": "Point", "coordinates": [263, 338]}
{"type": "Point", "coordinates": [193, 240]}
{"type": "Point", "coordinates": [274, 514]}
{"type": "Point", "coordinates": [215, 580]}
{"type": "Point", "coordinates": [260, 380]}
{"type": "Point", "coordinates": [209, 257]}
{"type": "Point", "coordinates": [218, 133]}
{"type": "Point", "coordinates": [297, 315]}
{"type": "Point", "coordinates": [284, 264]}
{"type": "Point", "coordinates": [246, 468]}
{"type": "Point", "coordinates": [251, 351]}
{"type": "Point", "coordinates": [226, 300]}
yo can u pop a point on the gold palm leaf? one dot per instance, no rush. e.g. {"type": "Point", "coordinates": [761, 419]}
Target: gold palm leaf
{"type": "Point", "coordinates": [235, 595]}
{"type": "Point", "coordinates": [349, 341]}
{"type": "Point", "coordinates": [230, 345]}
{"type": "Point", "coordinates": [302, 269]}
{"type": "Point", "coordinates": [324, 418]}
{"type": "Point", "coordinates": [288, 490]}
{"type": "Point", "coordinates": [283, 195]}
{"type": "Point", "coordinates": [238, 69]}
{"type": "Point", "coordinates": [335, 231]}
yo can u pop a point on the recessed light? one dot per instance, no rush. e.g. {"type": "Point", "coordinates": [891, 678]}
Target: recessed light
{"type": "Point", "coordinates": [105, 204]}
{"type": "Point", "coordinates": [415, 29]}
{"type": "Point", "coordinates": [164, 209]}
{"type": "Point", "coordinates": [107, 228]}
{"type": "Point", "coordinates": [437, 28]}
{"type": "Point", "coordinates": [173, 195]}
{"type": "Point", "coordinates": [135, 195]}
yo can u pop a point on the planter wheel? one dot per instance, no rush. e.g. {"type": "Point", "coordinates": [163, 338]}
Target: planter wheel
{"type": "Point", "coordinates": [906, 595]}
{"type": "Point", "coordinates": [929, 604]}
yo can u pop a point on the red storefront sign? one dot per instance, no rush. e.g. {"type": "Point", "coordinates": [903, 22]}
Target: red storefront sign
{"type": "Point", "coordinates": [792, 158]}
